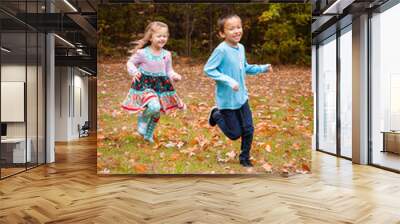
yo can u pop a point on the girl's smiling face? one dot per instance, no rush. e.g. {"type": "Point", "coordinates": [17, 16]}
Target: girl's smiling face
{"type": "Point", "coordinates": [232, 30]}
{"type": "Point", "coordinates": [159, 38]}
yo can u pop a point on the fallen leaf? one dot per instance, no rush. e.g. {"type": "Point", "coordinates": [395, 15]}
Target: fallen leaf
{"type": "Point", "coordinates": [180, 144]}
{"type": "Point", "coordinates": [221, 160]}
{"type": "Point", "coordinates": [231, 155]}
{"type": "Point", "coordinates": [157, 145]}
{"type": "Point", "coordinates": [296, 146]}
{"type": "Point", "coordinates": [174, 156]}
{"type": "Point", "coordinates": [305, 167]}
{"type": "Point", "coordinates": [267, 167]}
{"type": "Point", "coordinates": [170, 144]}
{"type": "Point", "coordinates": [105, 171]}
{"type": "Point", "coordinates": [268, 148]}
{"type": "Point", "coordinates": [250, 169]}
{"type": "Point", "coordinates": [132, 162]}
{"type": "Point", "coordinates": [140, 168]}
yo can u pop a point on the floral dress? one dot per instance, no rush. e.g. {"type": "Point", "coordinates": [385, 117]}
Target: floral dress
{"type": "Point", "coordinates": [154, 82]}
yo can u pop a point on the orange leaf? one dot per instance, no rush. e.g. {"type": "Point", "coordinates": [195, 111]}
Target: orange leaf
{"type": "Point", "coordinates": [305, 167]}
{"type": "Point", "coordinates": [200, 158]}
{"type": "Point", "coordinates": [140, 168]}
{"type": "Point", "coordinates": [174, 156]}
{"type": "Point", "coordinates": [193, 142]}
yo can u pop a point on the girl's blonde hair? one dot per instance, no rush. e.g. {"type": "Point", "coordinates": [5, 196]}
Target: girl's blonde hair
{"type": "Point", "coordinates": [148, 32]}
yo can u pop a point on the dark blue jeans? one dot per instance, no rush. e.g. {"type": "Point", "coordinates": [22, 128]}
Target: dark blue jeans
{"type": "Point", "coordinates": [235, 124]}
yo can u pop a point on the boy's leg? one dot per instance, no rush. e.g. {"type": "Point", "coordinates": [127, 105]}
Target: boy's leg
{"type": "Point", "coordinates": [228, 122]}
{"type": "Point", "coordinates": [246, 120]}
{"type": "Point", "coordinates": [153, 112]}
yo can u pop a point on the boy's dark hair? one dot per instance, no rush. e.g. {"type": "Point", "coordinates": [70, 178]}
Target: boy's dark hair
{"type": "Point", "coordinates": [222, 20]}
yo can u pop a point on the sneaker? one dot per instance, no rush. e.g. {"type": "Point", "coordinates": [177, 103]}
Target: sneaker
{"type": "Point", "coordinates": [150, 140]}
{"type": "Point", "coordinates": [246, 163]}
{"type": "Point", "coordinates": [210, 119]}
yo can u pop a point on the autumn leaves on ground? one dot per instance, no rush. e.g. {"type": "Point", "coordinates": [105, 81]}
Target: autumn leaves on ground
{"type": "Point", "coordinates": [282, 106]}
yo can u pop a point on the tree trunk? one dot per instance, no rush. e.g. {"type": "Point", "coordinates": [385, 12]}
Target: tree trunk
{"type": "Point", "coordinates": [190, 36]}
{"type": "Point", "coordinates": [187, 28]}
{"type": "Point", "coordinates": [211, 35]}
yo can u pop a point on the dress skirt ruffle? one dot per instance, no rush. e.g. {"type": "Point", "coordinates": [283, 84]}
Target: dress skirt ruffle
{"type": "Point", "coordinates": [152, 87]}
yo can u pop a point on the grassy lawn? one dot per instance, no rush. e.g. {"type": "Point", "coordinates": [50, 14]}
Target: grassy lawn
{"type": "Point", "coordinates": [282, 106]}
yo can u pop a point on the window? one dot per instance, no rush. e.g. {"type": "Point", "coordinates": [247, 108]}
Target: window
{"type": "Point", "coordinates": [385, 88]}
{"type": "Point", "coordinates": [327, 95]}
{"type": "Point", "coordinates": [346, 92]}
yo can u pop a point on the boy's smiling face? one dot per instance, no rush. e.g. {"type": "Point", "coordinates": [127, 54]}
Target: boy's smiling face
{"type": "Point", "coordinates": [232, 31]}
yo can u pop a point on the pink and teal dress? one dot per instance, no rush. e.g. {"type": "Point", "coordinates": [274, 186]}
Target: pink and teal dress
{"type": "Point", "coordinates": [154, 83]}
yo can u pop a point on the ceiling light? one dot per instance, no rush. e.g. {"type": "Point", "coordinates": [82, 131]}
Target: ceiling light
{"type": "Point", "coordinates": [337, 7]}
{"type": "Point", "coordinates": [65, 41]}
{"type": "Point", "coordinates": [86, 72]}
{"type": "Point", "coordinates": [5, 49]}
{"type": "Point", "coordinates": [70, 5]}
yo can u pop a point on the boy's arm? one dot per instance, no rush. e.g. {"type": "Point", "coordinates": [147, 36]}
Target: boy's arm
{"type": "Point", "coordinates": [210, 69]}
{"type": "Point", "coordinates": [134, 62]}
{"type": "Point", "coordinates": [255, 69]}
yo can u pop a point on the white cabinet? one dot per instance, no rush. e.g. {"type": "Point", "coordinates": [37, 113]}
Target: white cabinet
{"type": "Point", "coordinates": [17, 146]}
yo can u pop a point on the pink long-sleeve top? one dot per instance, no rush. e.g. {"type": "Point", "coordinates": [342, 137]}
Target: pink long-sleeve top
{"type": "Point", "coordinates": [145, 62]}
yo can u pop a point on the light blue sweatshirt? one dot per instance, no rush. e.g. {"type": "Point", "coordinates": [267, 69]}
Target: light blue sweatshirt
{"type": "Point", "coordinates": [227, 65]}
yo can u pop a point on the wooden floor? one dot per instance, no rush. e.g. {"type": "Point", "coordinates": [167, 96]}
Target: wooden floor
{"type": "Point", "coordinates": [69, 191]}
{"type": "Point", "coordinates": [387, 159]}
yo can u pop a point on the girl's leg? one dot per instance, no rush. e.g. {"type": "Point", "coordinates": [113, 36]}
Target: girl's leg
{"type": "Point", "coordinates": [153, 114]}
{"type": "Point", "coordinates": [142, 123]}
{"type": "Point", "coordinates": [151, 126]}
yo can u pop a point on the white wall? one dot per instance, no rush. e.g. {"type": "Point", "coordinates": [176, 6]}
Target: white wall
{"type": "Point", "coordinates": [70, 84]}
{"type": "Point", "coordinates": [61, 103]}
